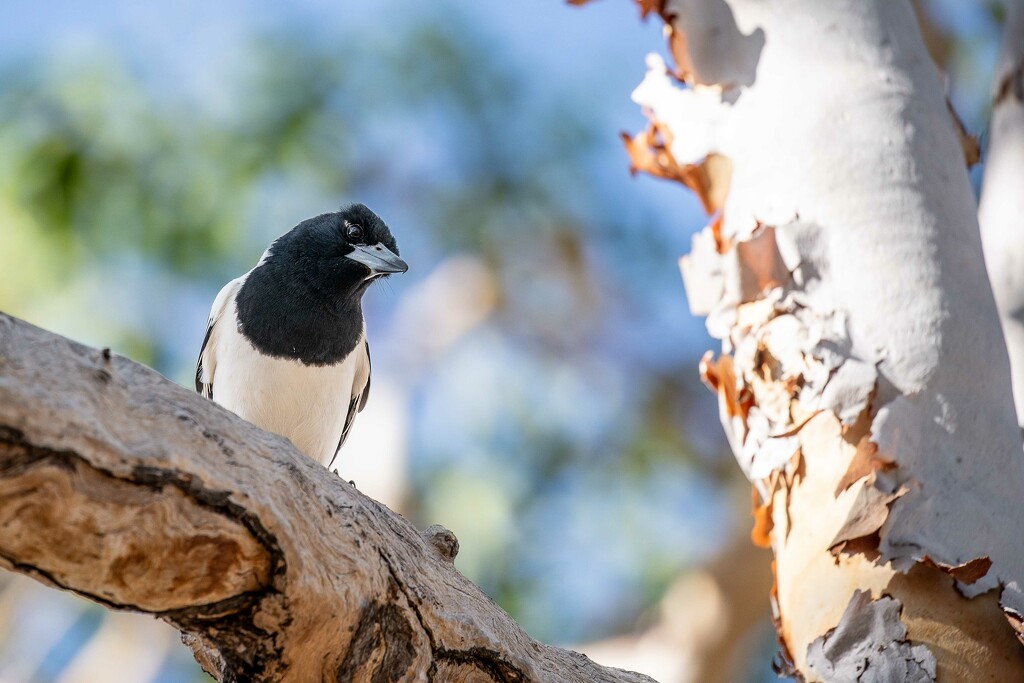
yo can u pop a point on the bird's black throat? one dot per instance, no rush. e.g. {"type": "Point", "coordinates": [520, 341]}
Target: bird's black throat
{"type": "Point", "coordinates": [298, 316]}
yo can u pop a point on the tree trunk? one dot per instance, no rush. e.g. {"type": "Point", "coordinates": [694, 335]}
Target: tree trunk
{"type": "Point", "coordinates": [141, 495]}
{"type": "Point", "coordinates": [864, 383]}
{"type": "Point", "coordinates": [1002, 197]}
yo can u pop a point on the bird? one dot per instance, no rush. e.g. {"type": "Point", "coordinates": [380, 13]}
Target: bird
{"type": "Point", "coordinates": [286, 346]}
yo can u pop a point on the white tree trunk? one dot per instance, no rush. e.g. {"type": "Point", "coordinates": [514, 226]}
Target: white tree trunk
{"type": "Point", "coordinates": [1002, 197]}
{"type": "Point", "coordinates": [865, 387]}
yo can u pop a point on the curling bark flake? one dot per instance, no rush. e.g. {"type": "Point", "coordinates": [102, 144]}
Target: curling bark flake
{"type": "Point", "coordinates": [864, 383]}
{"type": "Point", "coordinates": [1002, 197]}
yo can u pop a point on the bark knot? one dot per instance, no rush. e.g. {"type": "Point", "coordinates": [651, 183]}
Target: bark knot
{"type": "Point", "coordinates": [443, 541]}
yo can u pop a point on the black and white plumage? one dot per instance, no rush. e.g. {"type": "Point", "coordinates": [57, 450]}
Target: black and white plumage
{"type": "Point", "coordinates": [286, 345]}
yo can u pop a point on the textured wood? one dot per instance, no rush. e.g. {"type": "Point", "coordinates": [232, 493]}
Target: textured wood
{"type": "Point", "coordinates": [139, 494]}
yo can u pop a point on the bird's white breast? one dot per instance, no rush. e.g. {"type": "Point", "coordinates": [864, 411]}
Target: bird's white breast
{"type": "Point", "coordinates": [305, 403]}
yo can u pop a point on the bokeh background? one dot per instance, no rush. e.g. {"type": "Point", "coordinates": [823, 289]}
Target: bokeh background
{"type": "Point", "coordinates": [535, 385]}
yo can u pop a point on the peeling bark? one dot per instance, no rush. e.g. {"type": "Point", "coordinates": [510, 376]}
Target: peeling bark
{"type": "Point", "coordinates": [869, 645]}
{"type": "Point", "coordinates": [864, 385]}
{"type": "Point", "coordinates": [141, 495]}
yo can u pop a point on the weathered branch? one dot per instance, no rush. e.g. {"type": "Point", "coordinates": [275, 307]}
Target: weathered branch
{"type": "Point", "coordinates": [141, 495]}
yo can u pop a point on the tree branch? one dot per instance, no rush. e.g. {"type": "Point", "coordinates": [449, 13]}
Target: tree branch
{"type": "Point", "coordinates": [138, 494]}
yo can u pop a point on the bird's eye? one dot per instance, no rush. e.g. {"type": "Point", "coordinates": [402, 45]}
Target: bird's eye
{"type": "Point", "coordinates": [354, 232]}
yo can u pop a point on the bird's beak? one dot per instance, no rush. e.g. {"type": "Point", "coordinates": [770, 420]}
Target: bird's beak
{"type": "Point", "coordinates": [378, 258]}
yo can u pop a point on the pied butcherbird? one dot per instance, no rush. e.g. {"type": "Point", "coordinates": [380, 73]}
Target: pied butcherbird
{"type": "Point", "coordinates": [286, 345]}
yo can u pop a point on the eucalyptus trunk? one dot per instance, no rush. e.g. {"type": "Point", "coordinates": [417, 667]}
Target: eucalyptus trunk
{"type": "Point", "coordinates": [864, 384]}
{"type": "Point", "coordinates": [1002, 197]}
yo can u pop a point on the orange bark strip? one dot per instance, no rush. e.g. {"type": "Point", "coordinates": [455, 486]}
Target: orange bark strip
{"type": "Point", "coordinates": [969, 142]}
{"type": "Point", "coordinates": [761, 533]}
{"type": "Point", "coordinates": [1011, 86]}
{"type": "Point", "coordinates": [720, 377]}
{"type": "Point", "coordinates": [866, 461]}
{"type": "Point", "coordinates": [762, 264]}
{"type": "Point", "coordinates": [968, 572]}
{"type": "Point", "coordinates": [763, 522]}
{"type": "Point", "coordinates": [650, 152]}
{"type": "Point", "coordinates": [648, 6]}
{"type": "Point", "coordinates": [723, 243]}
{"type": "Point", "coordinates": [677, 45]}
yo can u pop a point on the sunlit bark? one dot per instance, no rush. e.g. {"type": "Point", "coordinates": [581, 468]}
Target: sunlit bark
{"type": "Point", "coordinates": [138, 494]}
{"type": "Point", "coordinates": [864, 383]}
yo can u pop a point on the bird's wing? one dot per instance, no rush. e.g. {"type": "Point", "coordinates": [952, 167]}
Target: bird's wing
{"type": "Point", "coordinates": [207, 364]}
{"type": "Point", "coordinates": [360, 394]}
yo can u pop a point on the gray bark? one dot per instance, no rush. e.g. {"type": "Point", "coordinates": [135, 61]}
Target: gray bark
{"type": "Point", "coordinates": [141, 495]}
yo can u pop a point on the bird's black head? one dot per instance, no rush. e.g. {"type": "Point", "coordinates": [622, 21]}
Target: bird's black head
{"type": "Point", "coordinates": [303, 299]}
{"type": "Point", "coordinates": [340, 253]}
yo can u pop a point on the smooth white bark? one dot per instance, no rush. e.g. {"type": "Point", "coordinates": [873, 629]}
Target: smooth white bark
{"type": "Point", "coordinates": [1002, 197]}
